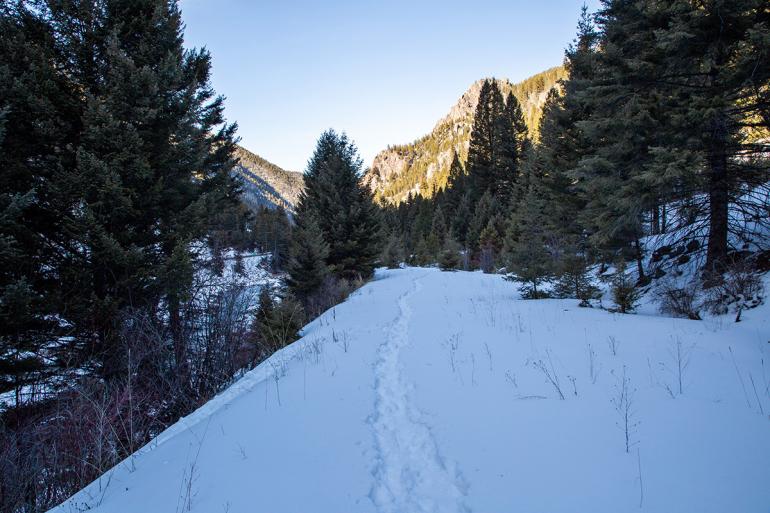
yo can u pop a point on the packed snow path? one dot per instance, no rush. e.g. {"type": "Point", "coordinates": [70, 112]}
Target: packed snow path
{"type": "Point", "coordinates": [444, 392]}
{"type": "Point", "coordinates": [410, 474]}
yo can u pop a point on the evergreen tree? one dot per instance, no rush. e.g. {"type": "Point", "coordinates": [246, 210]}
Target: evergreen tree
{"type": "Point", "coordinates": [456, 188]}
{"type": "Point", "coordinates": [706, 68]}
{"type": "Point", "coordinates": [143, 155]}
{"type": "Point", "coordinates": [574, 279]}
{"type": "Point", "coordinates": [482, 148]}
{"type": "Point", "coordinates": [624, 294]}
{"type": "Point", "coordinates": [276, 323]}
{"type": "Point", "coordinates": [449, 258]}
{"type": "Point", "coordinates": [528, 259]}
{"type": "Point", "coordinates": [513, 141]}
{"type": "Point", "coordinates": [489, 247]}
{"type": "Point", "coordinates": [439, 226]}
{"type": "Point", "coordinates": [342, 207]}
{"type": "Point", "coordinates": [307, 266]}
{"type": "Point", "coordinates": [39, 111]}
{"type": "Point", "coordinates": [486, 210]}
{"type": "Point", "coordinates": [461, 220]}
{"type": "Point", "coordinates": [393, 254]}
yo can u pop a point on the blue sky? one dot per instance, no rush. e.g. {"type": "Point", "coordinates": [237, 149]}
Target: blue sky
{"type": "Point", "coordinates": [384, 72]}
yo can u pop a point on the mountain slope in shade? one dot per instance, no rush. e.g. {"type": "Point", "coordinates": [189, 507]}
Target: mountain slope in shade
{"type": "Point", "coordinates": [264, 183]}
{"type": "Point", "coordinates": [443, 392]}
{"type": "Point", "coordinates": [423, 165]}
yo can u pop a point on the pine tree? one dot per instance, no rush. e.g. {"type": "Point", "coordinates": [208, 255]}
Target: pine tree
{"type": "Point", "coordinates": [144, 154]}
{"type": "Point", "coordinates": [484, 151]}
{"type": "Point", "coordinates": [439, 226]}
{"type": "Point", "coordinates": [456, 187]}
{"type": "Point", "coordinates": [307, 266]}
{"type": "Point", "coordinates": [528, 259]}
{"type": "Point", "coordinates": [393, 254]}
{"type": "Point", "coordinates": [489, 247]}
{"type": "Point", "coordinates": [706, 67]}
{"type": "Point", "coordinates": [622, 127]}
{"type": "Point", "coordinates": [574, 280]}
{"type": "Point", "coordinates": [624, 294]}
{"type": "Point", "coordinates": [511, 138]}
{"type": "Point", "coordinates": [39, 110]}
{"type": "Point", "coordinates": [487, 208]}
{"type": "Point", "coordinates": [449, 258]}
{"type": "Point", "coordinates": [461, 220]}
{"type": "Point", "coordinates": [276, 323]}
{"type": "Point", "coordinates": [342, 207]}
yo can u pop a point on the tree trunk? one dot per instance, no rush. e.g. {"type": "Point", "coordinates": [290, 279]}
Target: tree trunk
{"type": "Point", "coordinates": [180, 348]}
{"type": "Point", "coordinates": [716, 253]}
{"type": "Point", "coordinates": [639, 264]}
{"type": "Point", "coordinates": [663, 219]}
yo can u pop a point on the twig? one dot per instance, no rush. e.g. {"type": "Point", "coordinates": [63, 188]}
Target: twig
{"type": "Point", "coordinates": [735, 364]}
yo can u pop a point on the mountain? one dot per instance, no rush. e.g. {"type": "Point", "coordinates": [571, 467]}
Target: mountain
{"type": "Point", "coordinates": [264, 183]}
{"type": "Point", "coordinates": [429, 391]}
{"type": "Point", "coordinates": [423, 165]}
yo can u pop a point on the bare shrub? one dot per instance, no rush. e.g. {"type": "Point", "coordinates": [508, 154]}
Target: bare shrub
{"type": "Point", "coordinates": [549, 371]}
{"type": "Point", "coordinates": [332, 292]}
{"type": "Point", "coordinates": [680, 300]}
{"type": "Point", "coordinates": [623, 402]}
{"type": "Point", "coordinates": [739, 288]}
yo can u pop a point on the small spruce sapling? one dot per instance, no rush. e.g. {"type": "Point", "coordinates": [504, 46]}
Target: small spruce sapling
{"type": "Point", "coordinates": [624, 293]}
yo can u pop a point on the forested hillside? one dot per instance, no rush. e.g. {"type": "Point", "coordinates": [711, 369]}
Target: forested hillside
{"type": "Point", "coordinates": [422, 167]}
{"type": "Point", "coordinates": [264, 183]}
{"type": "Point", "coordinates": [654, 151]}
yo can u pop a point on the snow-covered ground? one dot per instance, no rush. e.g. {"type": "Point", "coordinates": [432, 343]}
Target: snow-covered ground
{"type": "Point", "coordinates": [440, 392]}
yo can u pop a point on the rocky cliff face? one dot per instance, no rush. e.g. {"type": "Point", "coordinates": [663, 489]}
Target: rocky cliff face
{"type": "Point", "coordinates": [264, 183]}
{"type": "Point", "coordinates": [422, 166]}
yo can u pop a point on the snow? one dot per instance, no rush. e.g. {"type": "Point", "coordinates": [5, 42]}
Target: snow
{"type": "Point", "coordinates": [428, 391]}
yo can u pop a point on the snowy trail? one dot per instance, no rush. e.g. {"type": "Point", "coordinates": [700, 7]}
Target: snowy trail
{"type": "Point", "coordinates": [420, 394]}
{"type": "Point", "coordinates": [410, 474]}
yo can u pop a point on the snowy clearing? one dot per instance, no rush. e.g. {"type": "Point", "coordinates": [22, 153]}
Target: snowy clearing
{"type": "Point", "coordinates": [442, 392]}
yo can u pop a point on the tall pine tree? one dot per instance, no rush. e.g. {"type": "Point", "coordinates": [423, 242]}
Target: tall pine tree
{"type": "Point", "coordinates": [343, 208]}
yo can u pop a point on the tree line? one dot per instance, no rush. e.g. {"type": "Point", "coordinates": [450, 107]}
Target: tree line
{"type": "Point", "coordinates": [659, 129]}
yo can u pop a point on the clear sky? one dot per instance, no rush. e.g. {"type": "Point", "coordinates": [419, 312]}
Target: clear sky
{"type": "Point", "coordinates": [382, 71]}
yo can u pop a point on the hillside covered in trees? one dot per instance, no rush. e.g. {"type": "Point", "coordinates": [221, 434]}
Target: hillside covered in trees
{"type": "Point", "coordinates": [264, 183]}
{"type": "Point", "coordinates": [653, 150]}
{"type": "Point", "coordinates": [422, 167]}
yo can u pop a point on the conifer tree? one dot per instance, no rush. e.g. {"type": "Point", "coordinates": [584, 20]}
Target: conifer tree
{"type": "Point", "coordinates": [706, 66]}
{"type": "Point", "coordinates": [307, 266]}
{"type": "Point", "coordinates": [144, 155]}
{"type": "Point", "coordinates": [485, 153]}
{"type": "Point", "coordinates": [624, 294]}
{"type": "Point", "coordinates": [511, 135]}
{"type": "Point", "coordinates": [574, 280]}
{"type": "Point", "coordinates": [439, 226]}
{"type": "Point", "coordinates": [456, 188]}
{"type": "Point", "coordinates": [486, 209]}
{"type": "Point", "coordinates": [38, 123]}
{"type": "Point", "coordinates": [449, 258]}
{"type": "Point", "coordinates": [461, 220]}
{"type": "Point", "coordinates": [528, 259]}
{"type": "Point", "coordinates": [393, 254]}
{"type": "Point", "coordinates": [342, 207]}
{"type": "Point", "coordinates": [489, 247]}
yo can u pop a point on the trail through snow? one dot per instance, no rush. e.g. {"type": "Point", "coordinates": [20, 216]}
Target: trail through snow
{"type": "Point", "coordinates": [410, 474]}
{"type": "Point", "coordinates": [429, 392]}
